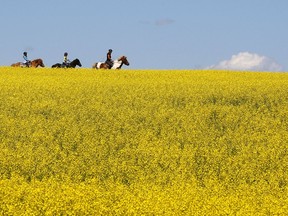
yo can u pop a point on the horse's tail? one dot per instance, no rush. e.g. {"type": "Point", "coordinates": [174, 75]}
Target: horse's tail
{"type": "Point", "coordinates": [94, 66]}
{"type": "Point", "coordinates": [16, 64]}
{"type": "Point", "coordinates": [57, 65]}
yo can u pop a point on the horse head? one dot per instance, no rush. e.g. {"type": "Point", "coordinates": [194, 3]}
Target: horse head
{"type": "Point", "coordinates": [79, 63]}
{"type": "Point", "coordinates": [75, 62]}
{"type": "Point", "coordinates": [124, 60]}
{"type": "Point", "coordinates": [37, 62]}
{"type": "Point", "coordinates": [41, 63]}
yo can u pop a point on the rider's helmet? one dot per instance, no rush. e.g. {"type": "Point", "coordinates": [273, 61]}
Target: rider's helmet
{"type": "Point", "coordinates": [65, 54]}
{"type": "Point", "coordinates": [110, 50]}
{"type": "Point", "coordinates": [25, 53]}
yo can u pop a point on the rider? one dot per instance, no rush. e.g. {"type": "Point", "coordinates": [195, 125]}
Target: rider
{"type": "Point", "coordinates": [109, 60]}
{"type": "Point", "coordinates": [66, 61]}
{"type": "Point", "coordinates": [26, 62]}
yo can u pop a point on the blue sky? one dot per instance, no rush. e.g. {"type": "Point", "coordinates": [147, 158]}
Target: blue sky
{"type": "Point", "coordinates": [153, 34]}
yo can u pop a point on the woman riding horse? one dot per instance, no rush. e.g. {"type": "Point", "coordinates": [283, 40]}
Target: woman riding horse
{"type": "Point", "coordinates": [35, 63]}
{"type": "Point", "coordinates": [109, 60]}
{"type": "Point", "coordinates": [73, 64]}
{"type": "Point", "coordinates": [117, 64]}
{"type": "Point", "coordinates": [27, 62]}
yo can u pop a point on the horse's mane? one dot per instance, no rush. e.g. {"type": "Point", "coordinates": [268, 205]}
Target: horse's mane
{"type": "Point", "coordinates": [37, 60]}
{"type": "Point", "coordinates": [76, 60]}
{"type": "Point", "coordinates": [121, 57]}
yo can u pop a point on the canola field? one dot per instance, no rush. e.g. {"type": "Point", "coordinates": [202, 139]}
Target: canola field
{"type": "Point", "coordinates": [143, 142]}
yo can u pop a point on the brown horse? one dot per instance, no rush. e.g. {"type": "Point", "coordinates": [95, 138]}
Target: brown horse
{"type": "Point", "coordinates": [35, 63]}
{"type": "Point", "coordinates": [117, 64]}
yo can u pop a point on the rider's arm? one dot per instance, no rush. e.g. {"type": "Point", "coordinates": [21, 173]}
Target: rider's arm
{"type": "Point", "coordinates": [66, 60]}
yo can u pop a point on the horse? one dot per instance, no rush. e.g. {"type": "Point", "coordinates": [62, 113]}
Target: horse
{"type": "Point", "coordinates": [117, 64]}
{"type": "Point", "coordinates": [73, 64]}
{"type": "Point", "coordinates": [35, 63]}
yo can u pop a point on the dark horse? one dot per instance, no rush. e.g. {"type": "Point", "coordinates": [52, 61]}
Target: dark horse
{"type": "Point", "coordinates": [73, 64]}
{"type": "Point", "coordinates": [35, 63]}
{"type": "Point", "coordinates": [117, 64]}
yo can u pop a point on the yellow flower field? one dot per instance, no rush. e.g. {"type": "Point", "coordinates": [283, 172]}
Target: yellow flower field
{"type": "Point", "coordinates": [143, 142]}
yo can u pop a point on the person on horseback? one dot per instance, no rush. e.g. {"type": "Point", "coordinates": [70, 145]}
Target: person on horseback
{"type": "Point", "coordinates": [26, 62]}
{"type": "Point", "coordinates": [66, 61]}
{"type": "Point", "coordinates": [109, 60]}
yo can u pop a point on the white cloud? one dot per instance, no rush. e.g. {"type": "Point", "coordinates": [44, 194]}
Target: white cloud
{"type": "Point", "coordinates": [249, 62]}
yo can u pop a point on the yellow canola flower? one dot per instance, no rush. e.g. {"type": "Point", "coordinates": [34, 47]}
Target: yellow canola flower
{"type": "Point", "coordinates": [143, 142]}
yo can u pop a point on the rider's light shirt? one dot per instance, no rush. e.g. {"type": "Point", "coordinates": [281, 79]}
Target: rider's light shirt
{"type": "Point", "coordinates": [66, 60]}
{"type": "Point", "coordinates": [25, 58]}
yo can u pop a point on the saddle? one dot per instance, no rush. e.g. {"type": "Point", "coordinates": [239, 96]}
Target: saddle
{"type": "Point", "coordinates": [28, 64]}
{"type": "Point", "coordinates": [110, 64]}
{"type": "Point", "coordinates": [65, 65]}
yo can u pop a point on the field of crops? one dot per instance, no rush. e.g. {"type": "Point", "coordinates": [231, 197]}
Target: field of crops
{"type": "Point", "coordinates": [143, 142]}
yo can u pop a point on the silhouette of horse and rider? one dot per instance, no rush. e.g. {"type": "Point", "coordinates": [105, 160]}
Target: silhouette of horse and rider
{"type": "Point", "coordinates": [67, 63]}
{"type": "Point", "coordinates": [27, 63]}
{"type": "Point", "coordinates": [108, 64]}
